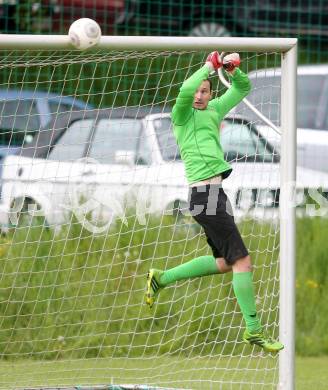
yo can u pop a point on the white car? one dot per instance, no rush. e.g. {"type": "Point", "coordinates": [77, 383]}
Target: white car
{"type": "Point", "coordinates": [98, 165]}
{"type": "Point", "coordinates": [312, 111]}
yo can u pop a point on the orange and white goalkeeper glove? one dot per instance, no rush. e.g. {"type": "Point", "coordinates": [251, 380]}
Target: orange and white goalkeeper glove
{"type": "Point", "coordinates": [230, 62]}
{"type": "Point", "coordinates": [213, 60]}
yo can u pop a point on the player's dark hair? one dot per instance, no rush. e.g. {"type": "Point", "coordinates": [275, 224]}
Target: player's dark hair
{"type": "Point", "coordinates": [211, 85]}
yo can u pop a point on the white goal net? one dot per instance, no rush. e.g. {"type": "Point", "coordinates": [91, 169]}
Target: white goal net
{"type": "Point", "coordinates": [93, 194]}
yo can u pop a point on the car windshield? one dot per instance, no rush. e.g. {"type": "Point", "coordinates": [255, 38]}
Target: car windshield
{"type": "Point", "coordinates": [166, 140]}
{"type": "Point", "coordinates": [239, 141]}
{"type": "Point", "coordinates": [311, 92]}
{"type": "Point", "coordinates": [115, 139]}
{"type": "Point", "coordinates": [19, 122]}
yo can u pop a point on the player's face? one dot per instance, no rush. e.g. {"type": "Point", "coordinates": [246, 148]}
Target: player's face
{"type": "Point", "coordinates": [202, 96]}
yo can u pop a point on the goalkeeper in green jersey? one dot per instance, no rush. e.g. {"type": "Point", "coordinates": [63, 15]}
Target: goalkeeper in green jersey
{"type": "Point", "coordinates": [196, 118]}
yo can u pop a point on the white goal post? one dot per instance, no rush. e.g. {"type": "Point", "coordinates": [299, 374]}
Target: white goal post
{"type": "Point", "coordinates": [287, 49]}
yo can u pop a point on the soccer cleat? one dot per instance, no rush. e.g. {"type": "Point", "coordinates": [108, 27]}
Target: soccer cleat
{"type": "Point", "coordinates": [260, 339]}
{"type": "Point", "coordinates": [153, 286]}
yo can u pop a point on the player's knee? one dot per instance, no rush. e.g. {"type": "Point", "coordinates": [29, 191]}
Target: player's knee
{"type": "Point", "coordinates": [222, 265]}
{"type": "Point", "coordinates": [244, 264]}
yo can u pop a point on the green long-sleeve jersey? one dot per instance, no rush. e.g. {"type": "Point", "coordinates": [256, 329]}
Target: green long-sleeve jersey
{"type": "Point", "coordinates": [197, 131]}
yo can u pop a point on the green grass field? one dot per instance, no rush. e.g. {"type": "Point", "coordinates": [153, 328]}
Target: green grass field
{"type": "Point", "coordinates": [312, 373]}
{"type": "Point", "coordinates": [57, 331]}
{"type": "Point", "coordinates": [194, 373]}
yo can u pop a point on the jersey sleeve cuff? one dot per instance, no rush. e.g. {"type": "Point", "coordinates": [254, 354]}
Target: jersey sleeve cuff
{"type": "Point", "coordinates": [236, 74]}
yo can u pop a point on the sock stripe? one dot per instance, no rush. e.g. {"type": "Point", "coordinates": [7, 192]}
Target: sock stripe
{"type": "Point", "coordinates": [154, 284]}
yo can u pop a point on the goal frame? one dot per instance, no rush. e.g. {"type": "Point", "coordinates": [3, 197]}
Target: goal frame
{"type": "Point", "coordinates": [288, 49]}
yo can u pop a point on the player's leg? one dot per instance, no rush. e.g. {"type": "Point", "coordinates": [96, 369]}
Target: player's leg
{"type": "Point", "coordinates": [224, 235]}
{"type": "Point", "coordinates": [223, 266]}
{"type": "Point", "coordinates": [242, 282]}
{"type": "Point", "coordinates": [244, 291]}
{"type": "Point", "coordinates": [200, 266]}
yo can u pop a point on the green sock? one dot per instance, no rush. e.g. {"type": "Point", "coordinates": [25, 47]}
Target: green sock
{"type": "Point", "coordinates": [243, 287]}
{"type": "Point", "coordinates": [201, 266]}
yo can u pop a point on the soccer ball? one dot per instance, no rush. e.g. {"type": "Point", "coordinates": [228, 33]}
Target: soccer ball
{"type": "Point", "coordinates": [84, 33]}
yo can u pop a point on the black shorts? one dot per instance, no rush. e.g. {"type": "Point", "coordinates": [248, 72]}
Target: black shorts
{"type": "Point", "coordinates": [211, 208]}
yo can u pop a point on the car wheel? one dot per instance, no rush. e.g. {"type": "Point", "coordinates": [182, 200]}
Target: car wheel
{"type": "Point", "coordinates": [178, 208]}
{"type": "Point", "coordinates": [209, 29]}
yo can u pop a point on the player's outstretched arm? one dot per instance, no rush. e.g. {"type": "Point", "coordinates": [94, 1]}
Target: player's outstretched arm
{"type": "Point", "coordinates": [239, 89]}
{"type": "Point", "coordinates": [183, 107]}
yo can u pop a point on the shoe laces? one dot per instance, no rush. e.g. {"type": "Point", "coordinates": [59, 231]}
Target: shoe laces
{"type": "Point", "coordinates": [266, 337]}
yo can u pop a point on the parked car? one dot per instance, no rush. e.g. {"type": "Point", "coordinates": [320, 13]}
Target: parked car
{"type": "Point", "coordinates": [106, 12]}
{"type": "Point", "coordinates": [98, 164]}
{"type": "Point", "coordinates": [23, 113]}
{"type": "Point", "coordinates": [301, 18]}
{"type": "Point", "coordinates": [312, 111]}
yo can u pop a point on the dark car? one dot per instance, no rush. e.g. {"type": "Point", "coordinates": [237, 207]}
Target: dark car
{"type": "Point", "coordinates": [23, 113]}
{"type": "Point", "coordinates": [228, 17]}
{"type": "Point", "coordinates": [106, 12]}
{"type": "Point", "coordinates": [26, 16]}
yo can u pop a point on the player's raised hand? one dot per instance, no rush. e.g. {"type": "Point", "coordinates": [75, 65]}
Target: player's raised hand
{"type": "Point", "coordinates": [230, 62]}
{"type": "Point", "coordinates": [213, 60]}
